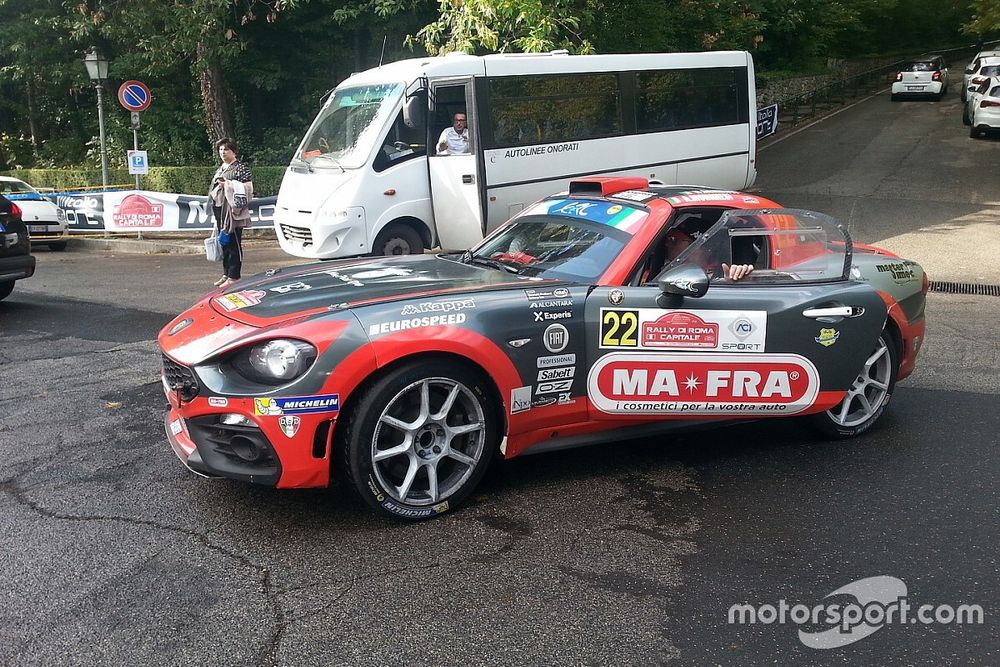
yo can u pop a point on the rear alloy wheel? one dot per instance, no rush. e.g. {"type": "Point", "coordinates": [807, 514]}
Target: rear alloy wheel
{"type": "Point", "coordinates": [867, 398]}
{"type": "Point", "coordinates": [6, 289]}
{"type": "Point", "coordinates": [974, 132]}
{"type": "Point", "coordinates": [398, 239]}
{"type": "Point", "coordinates": [420, 440]}
{"type": "Point", "coordinates": [894, 97]}
{"type": "Point", "coordinates": [58, 246]}
{"type": "Point", "coordinates": [965, 116]}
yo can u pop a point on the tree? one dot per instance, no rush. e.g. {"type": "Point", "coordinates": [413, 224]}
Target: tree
{"type": "Point", "coordinates": [475, 26]}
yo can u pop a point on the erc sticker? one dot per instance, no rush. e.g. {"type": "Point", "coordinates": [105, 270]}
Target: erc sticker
{"type": "Point", "coordinates": [296, 405]}
{"type": "Point", "coordinates": [702, 384]}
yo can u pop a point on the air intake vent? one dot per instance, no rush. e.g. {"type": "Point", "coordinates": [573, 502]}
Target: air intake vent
{"type": "Point", "coordinates": [965, 288]}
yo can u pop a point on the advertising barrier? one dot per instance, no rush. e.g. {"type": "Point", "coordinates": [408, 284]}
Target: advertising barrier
{"type": "Point", "coordinates": [139, 210]}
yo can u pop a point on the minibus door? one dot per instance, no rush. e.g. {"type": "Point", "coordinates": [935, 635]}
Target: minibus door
{"type": "Point", "coordinates": [454, 172]}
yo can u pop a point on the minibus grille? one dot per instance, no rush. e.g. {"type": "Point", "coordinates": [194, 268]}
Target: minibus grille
{"type": "Point", "coordinates": [302, 235]}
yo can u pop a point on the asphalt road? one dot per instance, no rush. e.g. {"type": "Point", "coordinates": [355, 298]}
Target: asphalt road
{"type": "Point", "coordinates": [631, 554]}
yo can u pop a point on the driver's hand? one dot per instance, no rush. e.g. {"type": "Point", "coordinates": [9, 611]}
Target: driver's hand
{"type": "Point", "coordinates": [736, 271]}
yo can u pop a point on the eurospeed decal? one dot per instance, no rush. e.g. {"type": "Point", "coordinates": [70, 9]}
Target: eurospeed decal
{"type": "Point", "coordinates": [656, 329]}
{"type": "Point", "coordinates": [702, 384]}
{"type": "Point", "coordinates": [416, 323]}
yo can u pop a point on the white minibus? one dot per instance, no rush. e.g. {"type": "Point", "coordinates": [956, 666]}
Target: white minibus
{"type": "Point", "coordinates": [368, 176]}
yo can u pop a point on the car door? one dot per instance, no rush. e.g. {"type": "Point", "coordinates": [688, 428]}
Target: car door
{"type": "Point", "coordinates": [791, 339]}
{"type": "Point", "coordinates": [455, 178]}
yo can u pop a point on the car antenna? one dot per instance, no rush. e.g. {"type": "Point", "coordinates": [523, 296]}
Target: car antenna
{"type": "Point", "coordinates": [382, 55]}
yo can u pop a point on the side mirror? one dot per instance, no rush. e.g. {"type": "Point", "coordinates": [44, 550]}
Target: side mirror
{"type": "Point", "coordinates": [684, 280]}
{"type": "Point", "coordinates": [413, 111]}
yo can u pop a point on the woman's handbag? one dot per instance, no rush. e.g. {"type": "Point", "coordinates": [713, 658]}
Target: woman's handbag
{"type": "Point", "coordinates": [225, 238]}
{"type": "Point", "coordinates": [213, 249]}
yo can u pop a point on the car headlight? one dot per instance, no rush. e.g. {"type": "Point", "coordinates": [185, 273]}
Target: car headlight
{"type": "Point", "coordinates": [276, 361]}
{"type": "Point", "coordinates": [60, 214]}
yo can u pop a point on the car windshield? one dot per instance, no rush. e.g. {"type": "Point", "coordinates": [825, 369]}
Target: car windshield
{"type": "Point", "coordinates": [17, 190]}
{"type": "Point", "coordinates": [919, 67]}
{"type": "Point", "coordinates": [784, 245]}
{"type": "Point", "coordinates": [345, 131]}
{"type": "Point", "coordinates": [562, 239]}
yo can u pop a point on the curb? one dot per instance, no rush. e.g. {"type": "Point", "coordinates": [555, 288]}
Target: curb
{"type": "Point", "coordinates": [137, 246]}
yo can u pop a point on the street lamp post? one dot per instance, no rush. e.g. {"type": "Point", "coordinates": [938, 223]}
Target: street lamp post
{"type": "Point", "coordinates": [97, 69]}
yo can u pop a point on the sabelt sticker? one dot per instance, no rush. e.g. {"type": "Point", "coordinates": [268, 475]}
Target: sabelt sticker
{"type": "Point", "coordinates": [702, 384]}
{"type": "Point", "coordinates": [242, 299]}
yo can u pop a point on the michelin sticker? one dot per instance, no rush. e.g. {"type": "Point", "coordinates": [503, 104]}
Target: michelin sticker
{"type": "Point", "coordinates": [296, 405]}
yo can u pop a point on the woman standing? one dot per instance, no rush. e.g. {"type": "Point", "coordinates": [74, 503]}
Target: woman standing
{"type": "Point", "coordinates": [230, 192]}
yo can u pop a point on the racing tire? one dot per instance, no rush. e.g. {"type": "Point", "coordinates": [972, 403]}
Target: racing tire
{"type": "Point", "coordinates": [6, 289]}
{"type": "Point", "coordinates": [867, 398]}
{"type": "Point", "coordinates": [59, 246]}
{"type": "Point", "coordinates": [420, 439]}
{"type": "Point", "coordinates": [398, 239]}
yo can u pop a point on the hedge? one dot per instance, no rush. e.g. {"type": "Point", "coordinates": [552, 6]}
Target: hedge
{"type": "Point", "coordinates": [186, 180]}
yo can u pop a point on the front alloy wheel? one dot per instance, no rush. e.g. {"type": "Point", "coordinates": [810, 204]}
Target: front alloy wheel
{"type": "Point", "coordinates": [419, 442]}
{"type": "Point", "coordinates": [867, 398]}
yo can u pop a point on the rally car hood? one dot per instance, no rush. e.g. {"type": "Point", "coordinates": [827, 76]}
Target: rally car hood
{"type": "Point", "coordinates": [276, 296]}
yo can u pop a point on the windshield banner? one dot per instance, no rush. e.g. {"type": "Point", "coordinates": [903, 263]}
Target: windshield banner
{"type": "Point", "coordinates": [139, 210]}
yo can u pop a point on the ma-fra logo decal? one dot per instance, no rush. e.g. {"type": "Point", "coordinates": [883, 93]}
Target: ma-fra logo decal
{"type": "Point", "coordinates": [702, 384]}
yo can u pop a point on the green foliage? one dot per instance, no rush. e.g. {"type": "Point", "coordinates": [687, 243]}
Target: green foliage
{"type": "Point", "coordinates": [529, 26]}
{"type": "Point", "coordinates": [186, 180]}
{"type": "Point", "coordinates": [985, 19]}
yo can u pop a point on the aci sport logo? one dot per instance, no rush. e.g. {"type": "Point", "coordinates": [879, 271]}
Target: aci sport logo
{"type": "Point", "coordinates": [702, 384]}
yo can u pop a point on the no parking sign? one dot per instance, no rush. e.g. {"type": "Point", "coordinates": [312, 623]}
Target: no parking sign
{"type": "Point", "coordinates": [134, 96]}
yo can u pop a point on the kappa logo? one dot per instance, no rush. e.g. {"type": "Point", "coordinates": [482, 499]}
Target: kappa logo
{"type": "Point", "coordinates": [437, 307]}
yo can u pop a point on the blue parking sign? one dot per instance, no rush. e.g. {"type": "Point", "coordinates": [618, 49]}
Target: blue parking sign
{"type": "Point", "coordinates": [138, 162]}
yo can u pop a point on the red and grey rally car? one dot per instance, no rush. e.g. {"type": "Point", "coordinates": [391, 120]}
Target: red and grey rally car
{"type": "Point", "coordinates": [574, 323]}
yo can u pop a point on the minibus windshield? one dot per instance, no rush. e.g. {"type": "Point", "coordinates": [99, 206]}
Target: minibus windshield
{"type": "Point", "coordinates": [346, 129]}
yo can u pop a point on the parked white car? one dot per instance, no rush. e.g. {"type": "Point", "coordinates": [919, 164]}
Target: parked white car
{"type": "Point", "coordinates": [986, 68]}
{"type": "Point", "coordinates": [983, 107]}
{"type": "Point", "coordinates": [921, 77]}
{"type": "Point", "coordinates": [973, 67]}
{"type": "Point", "coordinates": [45, 221]}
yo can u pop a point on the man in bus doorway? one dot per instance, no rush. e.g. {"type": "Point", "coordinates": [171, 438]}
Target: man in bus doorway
{"type": "Point", "coordinates": [454, 140]}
